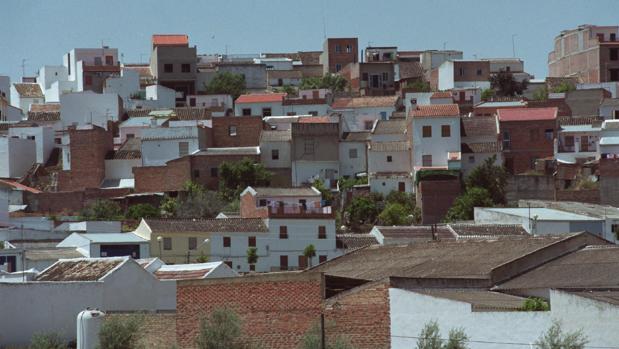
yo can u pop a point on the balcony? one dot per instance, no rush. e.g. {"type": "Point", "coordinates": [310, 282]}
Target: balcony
{"type": "Point", "coordinates": [300, 212]}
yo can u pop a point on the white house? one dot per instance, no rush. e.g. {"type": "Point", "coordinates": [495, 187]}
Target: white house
{"type": "Point", "coordinates": [25, 94]}
{"type": "Point", "coordinates": [43, 136]}
{"type": "Point", "coordinates": [17, 155]}
{"type": "Point", "coordinates": [609, 108]}
{"type": "Point", "coordinates": [275, 152]}
{"type": "Point", "coordinates": [354, 153]}
{"type": "Point", "coordinates": [82, 108]}
{"type": "Point", "coordinates": [480, 141]}
{"type": "Point", "coordinates": [360, 113]}
{"type": "Point", "coordinates": [108, 244]}
{"type": "Point", "coordinates": [219, 104]}
{"type": "Point", "coordinates": [449, 78]}
{"type": "Point", "coordinates": [609, 139]}
{"type": "Point", "coordinates": [436, 136]}
{"type": "Point", "coordinates": [132, 127]}
{"type": "Point", "coordinates": [576, 142]}
{"type": "Point", "coordinates": [389, 157]}
{"type": "Point", "coordinates": [264, 104]}
{"type": "Point", "coordinates": [160, 145]}
{"type": "Point", "coordinates": [126, 85]}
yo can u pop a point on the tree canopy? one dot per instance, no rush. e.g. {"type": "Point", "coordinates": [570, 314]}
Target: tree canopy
{"type": "Point", "coordinates": [490, 177]}
{"type": "Point", "coordinates": [464, 205]}
{"type": "Point", "coordinates": [227, 83]}
{"type": "Point", "coordinates": [430, 338]}
{"type": "Point", "coordinates": [419, 86]}
{"type": "Point", "coordinates": [333, 82]}
{"type": "Point", "coordinates": [140, 211]}
{"type": "Point", "coordinates": [555, 338]}
{"type": "Point", "coordinates": [236, 176]}
{"type": "Point", "coordinates": [395, 214]}
{"type": "Point", "coordinates": [506, 86]}
{"type": "Point", "coordinates": [101, 210]}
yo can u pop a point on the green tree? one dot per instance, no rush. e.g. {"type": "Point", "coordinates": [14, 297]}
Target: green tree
{"type": "Point", "coordinates": [169, 206]}
{"type": "Point", "coordinates": [430, 337]}
{"type": "Point", "coordinates": [309, 252]}
{"type": "Point", "coordinates": [463, 207]}
{"type": "Point", "coordinates": [535, 304]}
{"type": "Point", "coordinates": [202, 258]}
{"type": "Point", "coordinates": [541, 94]}
{"type": "Point", "coordinates": [361, 210]}
{"type": "Point", "coordinates": [505, 85]}
{"type": "Point", "coordinates": [555, 338]}
{"type": "Point", "coordinates": [50, 340]}
{"type": "Point", "coordinates": [198, 202]}
{"type": "Point", "coordinates": [140, 211]}
{"type": "Point", "coordinates": [227, 83]}
{"type": "Point", "coordinates": [333, 82]}
{"type": "Point", "coordinates": [220, 330]}
{"type": "Point", "coordinates": [312, 338]}
{"type": "Point", "coordinates": [491, 177]}
{"type": "Point", "coordinates": [564, 86]}
{"type": "Point", "coordinates": [236, 176]}
{"type": "Point", "coordinates": [325, 192]}
{"type": "Point", "coordinates": [119, 332]}
{"type": "Point", "coordinates": [457, 339]}
{"type": "Point", "coordinates": [347, 183]}
{"type": "Point", "coordinates": [395, 214]}
{"type": "Point", "coordinates": [486, 94]}
{"type": "Point", "coordinates": [101, 210]}
{"type": "Point", "coordinates": [252, 255]}
{"type": "Point", "coordinates": [419, 86]}
{"type": "Point", "coordinates": [407, 200]}
{"type": "Point", "coordinates": [289, 90]}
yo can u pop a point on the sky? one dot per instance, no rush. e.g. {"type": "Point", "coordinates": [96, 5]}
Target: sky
{"type": "Point", "coordinates": [42, 31]}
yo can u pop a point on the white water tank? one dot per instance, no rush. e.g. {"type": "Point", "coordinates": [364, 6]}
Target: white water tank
{"type": "Point", "coordinates": [88, 325]}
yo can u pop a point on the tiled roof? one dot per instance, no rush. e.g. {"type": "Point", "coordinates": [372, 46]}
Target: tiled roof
{"type": "Point", "coordinates": [594, 266]}
{"type": "Point", "coordinates": [223, 225]}
{"type": "Point", "coordinates": [230, 151]}
{"type": "Point", "coordinates": [131, 149]}
{"type": "Point", "coordinates": [304, 101]}
{"type": "Point", "coordinates": [583, 120]}
{"type": "Point", "coordinates": [436, 110]}
{"type": "Point", "coordinates": [284, 74]}
{"type": "Point", "coordinates": [476, 229]}
{"type": "Point", "coordinates": [81, 269]}
{"type": "Point", "coordinates": [441, 95]}
{"type": "Point", "coordinates": [45, 107]}
{"type": "Point", "coordinates": [44, 116]}
{"type": "Point", "coordinates": [185, 113]}
{"type": "Point", "coordinates": [355, 241]}
{"type": "Point", "coordinates": [315, 120]}
{"type": "Point", "coordinates": [261, 98]}
{"type": "Point", "coordinates": [28, 90]}
{"type": "Point", "coordinates": [390, 127]}
{"type": "Point", "coordinates": [478, 126]}
{"type": "Point", "coordinates": [275, 136]}
{"type": "Point", "coordinates": [410, 70]}
{"type": "Point", "coordinates": [610, 102]}
{"type": "Point", "coordinates": [479, 147]}
{"type": "Point", "coordinates": [479, 299]}
{"type": "Point", "coordinates": [364, 102]}
{"type": "Point", "coordinates": [170, 39]}
{"type": "Point", "coordinates": [19, 186]}
{"type": "Point", "coordinates": [390, 146]}
{"type": "Point", "coordinates": [414, 232]}
{"type": "Point", "coordinates": [185, 271]}
{"type": "Point", "coordinates": [443, 259]}
{"type": "Point", "coordinates": [299, 191]}
{"type": "Point", "coordinates": [527, 114]}
{"type": "Point", "coordinates": [54, 253]}
{"type": "Point", "coordinates": [362, 136]}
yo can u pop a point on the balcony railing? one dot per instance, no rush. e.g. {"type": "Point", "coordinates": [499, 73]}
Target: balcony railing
{"type": "Point", "coordinates": [299, 211]}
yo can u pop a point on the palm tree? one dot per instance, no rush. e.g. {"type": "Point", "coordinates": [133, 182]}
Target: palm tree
{"type": "Point", "coordinates": [309, 252]}
{"type": "Point", "coordinates": [252, 257]}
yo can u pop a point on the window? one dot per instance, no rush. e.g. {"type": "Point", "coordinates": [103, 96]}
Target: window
{"type": "Point", "coordinates": [228, 263]}
{"type": "Point", "coordinates": [471, 159]}
{"type": "Point", "coordinates": [322, 232]}
{"type": "Point", "coordinates": [291, 113]}
{"type": "Point", "coordinates": [283, 262]}
{"type": "Point", "coordinates": [266, 112]}
{"type": "Point", "coordinates": [231, 130]}
{"type": "Point", "coordinates": [274, 154]}
{"type": "Point", "coordinates": [385, 76]}
{"type": "Point", "coordinates": [32, 138]}
{"type": "Point", "coordinates": [303, 204]}
{"type": "Point", "coordinates": [383, 115]}
{"type": "Point", "coordinates": [251, 241]}
{"type": "Point", "coordinates": [130, 135]}
{"type": "Point", "coordinates": [348, 49]}
{"type": "Point", "coordinates": [308, 146]}
{"type": "Point", "coordinates": [352, 153]}
{"type": "Point", "coordinates": [167, 244]}
{"type": "Point", "coordinates": [478, 72]}
{"type": "Point", "coordinates": [549, 134]}
{"type": "Point", "coordinates": [506, 140]}
{"type": "Point", "coordinates": [322, 259]}
{"type": "Point", "coordinates": [445, 131]}
{"type": "Point", "coordinates": [185, 68]}
{"type": "Point", "coordinates": [302, 262]}
{"type": "Point", "coordinates": [368, 124]}
{"type": "Point", "coordinates": [97, 60]}
{"type": "Point", "coordinates": [364, 77]}
{"type": "Point", "coordinates": [88, 80]}
{"type": "Point", "coordinates": [192, 102]}
{"type": "Point", "coordinates": [426, 160]}
{"type": "Point", "coordinates": [338, 67]}
{"type": "Point", "coordinates": [338, 48]}
{"type": "Point", "coordinates": [533, 134]}
{"type": "Point", "coordinates": [614, 54]}
{"type": "Point", "coordinates": [214, 172]}
{"type": "Point", "coordinates": [313, 113]}
{"type": "Point", "coordinates": [58, 140]}
{"type": "Point", "coordinates": [614, 74]}
{"type": "Point", "coordinates": [196, 173]}
{"type": "Point", "coordinates": [426, 131]}
{"type": "Point", "coordinates": [252, 267]}
{"type": "Point", "coordinates": [168, 68]}
{"type": "Point", "coordinates": [183, 148]}
{"type": "Point", "coordinates": [508, 69]}
{"type": "Point", "coordinates": [193, 243]}
{"type": "Point", "coordinates": [109, 60]}
{"type": "Point", "coordinates": [389, 158]}
{"type": "Point", "coordinates": [532, 163]}
{"type": "Point", "coordinates": [613, 37]}
{"type": "Point", "coordinates": [569, 141]}
{"type": "Point", "coordinates": [283, 232]}
{"type": "Point", "coordinates": [262, 202]}
{"type": "Point", "coordinates": [226, 241]}
{"type": "Point", "coordinates": [246, 112]}
{"type": "Point", "coordinates": [461, 71]}
{"type": "Point", "coordinates": [615, 113]}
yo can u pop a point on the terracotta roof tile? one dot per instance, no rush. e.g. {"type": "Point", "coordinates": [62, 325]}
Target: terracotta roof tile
{"type": "Point", "coordinates": [527, 114]}
{"type": "Point", "coordinates": [44, 116]}
{"type": "Point", "coordinates": [181, 274]}
{"type": "Point", "coordinates": [275, 136]}
{"type": "Point", "coordinates": [441, 95]}
{"type": "Point", "coordinates": [410, 70]}
{"type": "Point", "coordinates": [131, 149]}
{"type": "Point", "coordinates": [390, 146]}
{"type": "Point", "coordinates": [436, 110]}
{"type": "Point", "coordinates": [29, 90]}
{"type": "Point", "coordinates": [170, 40]}
{"type": "Point", "coordinates": [364, 102]}
{"type": "Point", "coordinates": [19, 186]}
{"type": "Point", "coordinates": [390, 127]}
{"type": "Point", "coordinates": [261, 98]}
{"type": "Point", "coordinates": [478, 126]}
{"type": "Point", "coordinates": [477, 230]}
{"type": "Point", "coordinates": [315, 120]}
{"type": "Point", "coordinates": [86, 269]}
{"type": "Point", "coordinates": [355, 241]}
{"type": "Point", "coordinates": [479, 147]}
{"type": "Point", "coordinates": [224, 225]}
{"type": "Point", "coordinates": [45, 107]}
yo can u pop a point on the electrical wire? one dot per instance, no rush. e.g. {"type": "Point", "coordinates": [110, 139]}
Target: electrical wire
{"type": "Point", "coordinates": [530, 345]}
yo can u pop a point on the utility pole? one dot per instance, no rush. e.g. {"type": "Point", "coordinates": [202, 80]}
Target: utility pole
{"type": "Point", "coordinates": [23, 68]}
{"type": "Point", "coordinates": [513, 46]}
{"type": "Point", "coordinates": [323, 343]}
{"type": "Point", "coordinates": [23, 255]}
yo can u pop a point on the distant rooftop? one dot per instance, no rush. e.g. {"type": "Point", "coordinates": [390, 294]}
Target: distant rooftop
{"type": "Point", "coordinates": [229, 151]}
{"type": "Point", "coordinates": [527, 114]}
{"type": "Point", "coordinates": [80, 269]}
{"type": "Point", "coordinates": [542, 214]}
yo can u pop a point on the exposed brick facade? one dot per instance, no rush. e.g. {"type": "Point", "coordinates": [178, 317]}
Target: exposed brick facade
{"type": "Point", "coordinates": [471, 70]}
{"type": "Point", "coordinates": [281, 177]}
{"type": "Point", "coordinates": [202, 165]}
{"type": "Point", "coordinates": [88, 150]}
{"type": "Point", "coordinates": [68, 201]}
{"type": "Point", "coordinates": [247, 131]}
{"type": "Point", "coordinates": [339, 52]}
{"type": "Point", "coordinates": [528, 142]}
{"type": "Point", "coordinates": [530, 187]}
{"type": "Point", "coordinates": [170, 177]}
{"type": "Point", "coordinates": [590, 196]}
{"type": "Point", "coordinates": [249, 208]}
{"type": "Point", "coordinates": [157, 331]}
{"type": "Point", "coordinates": [609, 182]}
{"type": "Point", "coordinates": [435, 197]}
{"type": "Point", "coordinates": [276, 309]}
{"type": "Point", "coordinates": [361, 316]}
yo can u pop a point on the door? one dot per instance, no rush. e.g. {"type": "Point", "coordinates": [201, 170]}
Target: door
{"type": "Point", "coordinates": [462, 96]}
{"type": "Point", "coordinates": [375, 82]}
{"type": "Point", "coordinates": [509, 165]}
{"type": "Point", "coordinates": [283, 262]}
{"type": "Point", "coordinates": [401, 186]}
{"type": "Point", "coordinates": [192, 102]}
{"type": "Point", "coordinates": [584, 143]}
{"type": "Point", "coordinates": [120, 251]}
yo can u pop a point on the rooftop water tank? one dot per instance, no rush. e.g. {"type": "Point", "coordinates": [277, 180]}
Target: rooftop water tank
{"type": "Point", "coordinates": [88, 325]}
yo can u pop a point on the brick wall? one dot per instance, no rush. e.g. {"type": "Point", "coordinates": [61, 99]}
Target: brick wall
{"type": "Point", "coordinates": [282, 177]}
{"type": "Point", "coordinates": [435, 197]}
{"type": "Point", "coordinates": [249, 208]}
{"type": "Point", "coordinates": [158, 330]}
{"type": "Point", "coordinates": [88, 150]}
{"type": "Point", "coordinates": [248, 130]}
{"type": "Point", "coordinates": [201, 167]}
{"type": "Point", "coordinates": [528, 142]}
{"type": "Point", "coordinates": [276, 309]}
{"type": "Point", "coordinates": [67, 201]}
{"type": "Point", "coordinates": [530, 187]}
{"type": "Point", "coordinates": [361, 316]}
{"type": "Point", "coordinates": [170, 177]}
{"type": "Point", "coordinates": [590, 196]}
{"type": "Point", "coordinates": [609, 182]}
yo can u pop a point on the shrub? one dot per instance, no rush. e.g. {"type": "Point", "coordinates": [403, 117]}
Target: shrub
{"type": "Point", "coordinates": [535, 304]}
{"type": "Point", "coordinates": [121, 333]}
{"type": "Point", "coordinates": [101, 210]}
{"type": "Point", "coordinates": [555, 338]}
{"type": "Point", "coordinates": [140, 211]}
{"type": "Point", "coordinates": [50, 340]}
{"type": "Point", "coordinates": [220, 330]}
{"type": "Point", "coordinates": [395, 214]}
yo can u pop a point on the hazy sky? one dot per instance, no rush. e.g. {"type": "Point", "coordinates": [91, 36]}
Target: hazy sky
{"type": "Point", "coordinates": [42, 31]}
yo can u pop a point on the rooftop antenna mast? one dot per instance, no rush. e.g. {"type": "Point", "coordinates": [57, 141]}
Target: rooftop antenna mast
{"type": "Point", "coordinates": [324, 21]}
{"type": "Point", "coordinates": [23, 67]}
{"type": "Point", "coordinates": [513, 46]}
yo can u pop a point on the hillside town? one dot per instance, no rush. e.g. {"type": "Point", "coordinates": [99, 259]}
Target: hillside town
{"type": "Point", "coordinates": [348, 196]}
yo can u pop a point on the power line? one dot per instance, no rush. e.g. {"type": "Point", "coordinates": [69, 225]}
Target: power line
{"type": "Point", "coordinates": [493, 342]}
